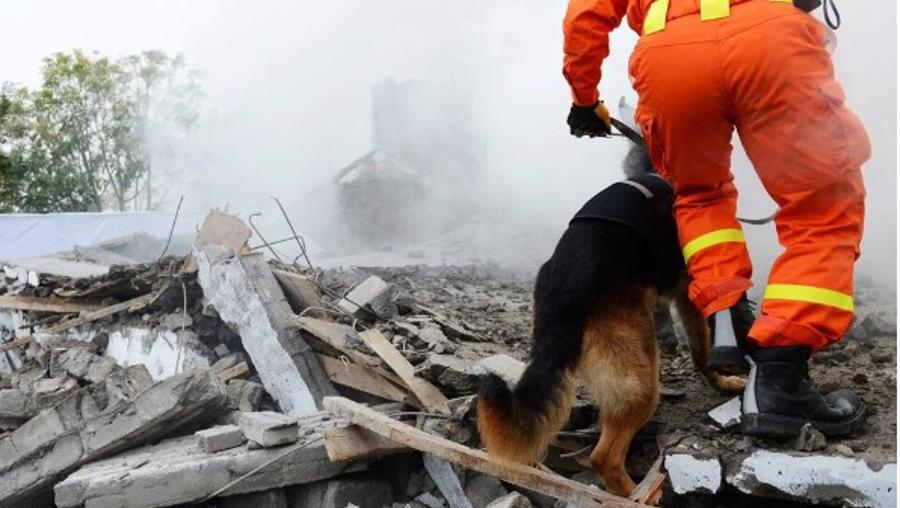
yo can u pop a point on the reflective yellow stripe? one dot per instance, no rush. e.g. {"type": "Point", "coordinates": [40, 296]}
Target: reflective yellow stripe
{"type": "Point", "coordinates": [655, 20]}
{"type": "Point", "coordinates": [809, 294]}
{"type": "Point", "coordinates": [710, 239]}
{"type": "Point", "coordinates": [714, 9]}
{"type": "Point", "coordinates": [656, 17]}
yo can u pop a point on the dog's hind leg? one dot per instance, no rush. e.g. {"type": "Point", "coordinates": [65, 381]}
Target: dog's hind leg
{"type": "Point", "coordinates": [620, 370]}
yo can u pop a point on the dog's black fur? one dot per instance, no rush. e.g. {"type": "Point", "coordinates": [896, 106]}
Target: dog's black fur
{"type": "Point", "coordinates": [592, 258]}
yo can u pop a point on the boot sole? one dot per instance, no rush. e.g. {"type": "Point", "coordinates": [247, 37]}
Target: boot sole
{"type": "Point", "coordinates": [728, 360]}
{"type": "Point", "coordinates": [772, 425]}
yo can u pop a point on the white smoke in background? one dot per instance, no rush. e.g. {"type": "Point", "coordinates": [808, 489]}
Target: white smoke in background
{"type": "Point", "coordinates": [288, 90]}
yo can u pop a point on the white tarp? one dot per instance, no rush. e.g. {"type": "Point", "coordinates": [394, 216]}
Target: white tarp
{"type": "Point", "coordinates": [26, 235]}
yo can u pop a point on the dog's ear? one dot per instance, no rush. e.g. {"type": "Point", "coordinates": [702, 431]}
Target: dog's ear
{"type": "Point", "coordinates": [626, 114]}
{"type": "Point", "coordinates": [638, 162]}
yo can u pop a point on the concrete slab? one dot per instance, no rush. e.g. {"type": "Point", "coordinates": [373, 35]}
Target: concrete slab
{"type": "Point", "coordinates": [267, 428]}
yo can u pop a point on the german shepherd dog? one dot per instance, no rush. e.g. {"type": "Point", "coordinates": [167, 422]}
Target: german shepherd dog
{"type": "Point", "coordinates": [594, 302]}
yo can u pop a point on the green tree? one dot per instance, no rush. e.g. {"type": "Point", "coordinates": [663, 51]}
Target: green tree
{"type": "Point", "coordinates": [83, 141]}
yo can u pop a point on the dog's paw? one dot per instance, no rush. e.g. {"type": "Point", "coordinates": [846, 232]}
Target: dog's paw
{"type": "Point", "coordinates": [727, 384]}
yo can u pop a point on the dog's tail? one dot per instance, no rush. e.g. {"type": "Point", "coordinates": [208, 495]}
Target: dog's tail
{"type": "Point", "coordinates": [518, 424]}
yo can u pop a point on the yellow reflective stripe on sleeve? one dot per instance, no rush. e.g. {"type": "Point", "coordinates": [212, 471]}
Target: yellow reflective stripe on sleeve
{"type": "Point", "coordinates": [710, 239]}
{"type": "Point", "coordinates": [810, 294]}
{"type": "Point", "coordinates": [782, 1]}
{"type": "Point", "coordinates": [714, 9]}
{"type": "Point", "coordinates": [655, 20]}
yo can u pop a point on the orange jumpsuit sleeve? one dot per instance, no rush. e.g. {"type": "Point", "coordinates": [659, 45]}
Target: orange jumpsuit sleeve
{"type": "Point", "coordinates": [586, 31]}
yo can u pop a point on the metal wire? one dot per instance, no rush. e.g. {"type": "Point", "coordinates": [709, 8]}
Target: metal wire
{"type": "Point", "coordinates": [301, 243]}
{"type": "Point", "coordinates": [261, 237]}
{"type": "Point", "coordinates": [171, 229]}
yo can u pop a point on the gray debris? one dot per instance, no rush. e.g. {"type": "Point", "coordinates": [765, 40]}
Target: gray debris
{"type": "Point", "coordinates": [727, 414]}
{"type": "Point", "coordinates": [268, 428]}
{"type": "Point", "coordinates": [83, 364]}
{"type": "Point", "coordinates": [372, 293]}
{"type": "Point", "coordinates": [810, 439]}
{"type": "Point", "coordinates": [456, 376]}
{"type": "Point", "coordinates": [15, 404]}
{"type": "Point", "coordinates": [245, 395]}
{"type": "Point", "coordinates": [274, 498]}
{"type": "Point", "coordinates": [481, 489]}
{"type": "Point", "coordinates": [219, 438]}
{"type": "Point", "coordinates": [507, 368]}
{"type": "Point", "coordinates": [446, 480]}
{"type": "Point", "coordinates": [359, 490]}
{"type": "Point", "coordinates": [511, 500]}
{"type": "Point", "coordinates": [58, 440]}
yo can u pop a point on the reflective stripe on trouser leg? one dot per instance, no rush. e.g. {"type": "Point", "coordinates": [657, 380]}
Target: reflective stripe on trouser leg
{"type": "Point", "coordinates": [710, 239]}
{"type": "Point", "coordinates": [809, 294]}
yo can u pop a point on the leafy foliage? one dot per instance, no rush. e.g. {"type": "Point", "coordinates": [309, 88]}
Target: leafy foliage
{"type": "Point", "coordinates": [84, 140]}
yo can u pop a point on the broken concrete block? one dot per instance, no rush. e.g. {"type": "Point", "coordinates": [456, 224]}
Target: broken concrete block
{"type": "Point", "coordinates": [430, 500]}
{"type": "Point", "coordinates": [228, 361]}
{"type": "Point", "coordinates": [247, 297]}
{"type": "Point", "coordinates": [176, 472]}
{"type": "Point", "coordinates": [139, 377]}
{"type": "Point", "coordinates": [59, 440]}
{"type": "Point", "coordinates": [433, 338]}
{"type": "Point", "coordinates": [275, 498]}
{"type": "Point", "coordinates": [360, 490]}
{"type": "Point", "coordinates": [219, 438]}
{"type": "Point", "coordinates": [728, 414]}
{"type": "Point", "coordinates": [15, 404]}
{"type": "Point", "coordinates": [481, 489]}
{"type": "Point", "coordinates": [688, 473]}
{"type": "Point", "coordinates": [268, 428]}
{"type": "Point", "coordinates": [245, 395]}
{"type": "Point", "coordinates": [511, 500]}
{"type": "Point", "coordinates": [221, 350]}
{"type": "Point", "coordinates": [85, 365]}
{"type": "Point", "coordinates": [507, 368]}
{"type": "Point", "coordinates": [372, 293]}
{"type": "Point", "coordinates": [816, 479]}
{"type": "Point", "coordinates": [176, 321]}
{"type": "Point", "coordinates": [455, 376]}
{"type": "Point", "coordinates": [810, 439]}
{"type": "Point", "coordinates": [51, 391]}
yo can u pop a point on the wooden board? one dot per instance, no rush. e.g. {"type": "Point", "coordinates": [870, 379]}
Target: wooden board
{"type": "Point", "coordinates": [128, 305]}
{"type": "Point", "coordinates": [301, 293]}
{"type": "Point", "coordinates": [426, 392]}
{"type": "Point", "coordinates": [546, 483]}
{"type": "Point", "coordinates": [60, 306]}
{"type": "Point", "coordinates": [224, 229]}
{"type": "Point", "coordinates": [359, 378]}
{"type": "Point", "coordinates": [239, 370]}
{"type": "Point", "coordinates": [354, 442]}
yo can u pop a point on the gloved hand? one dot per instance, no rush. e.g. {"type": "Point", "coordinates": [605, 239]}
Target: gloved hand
{"type": "Point", "coordinates": [589, 121]}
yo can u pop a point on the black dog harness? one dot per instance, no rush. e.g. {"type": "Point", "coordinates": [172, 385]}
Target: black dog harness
{"type": "Point", "coordinates": [643, 203]}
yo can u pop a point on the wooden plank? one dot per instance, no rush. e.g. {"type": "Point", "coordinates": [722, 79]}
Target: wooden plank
{"type": "Point", "coordinates": [426, 392]}
{"type": "Point", "coordinates": [650, 490]}
{"type": "Point", "coordinates": [239, 370]}
{"type": "Point", "coordinates": [301, 293]}
{"type": "Point", "coordinates": [128, 305]}
{"type": "Point", "coordinates": [60, 306]}
{"type": "Point", "coordinates": [521, 475]}
{"type": "Point", "coordinates": [446, 480]}
{"type": "Point", "coordinates": [226, 230]}
{"type": "Point", "coordinates": [359, 378]}
{"type": "Point", "coordinates": [354, 442]}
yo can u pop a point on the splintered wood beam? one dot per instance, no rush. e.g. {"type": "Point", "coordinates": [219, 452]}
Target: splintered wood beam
{"type": "Point", "coordinates": [527, 477]}
{"type": "Point", "coordinates": [59, 306]}
{"type": "Point", "coordinates": [128, 305]}
{"type": "Point", "coordinates": [360, 378]}
{"type": "Point", "coordinates": [426, 392]}
{"type": "Point", "coordinates": [354, 442]}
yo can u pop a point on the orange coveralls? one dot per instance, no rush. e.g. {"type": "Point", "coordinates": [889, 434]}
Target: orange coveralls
{"type": "Point", "coordinates": [760, 66]}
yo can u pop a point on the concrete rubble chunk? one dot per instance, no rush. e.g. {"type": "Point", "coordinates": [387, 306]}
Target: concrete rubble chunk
{"type": "Point", "coordinates": [139, 377]}
{"type": "Point", "coordinates": [247, 297]}
{"type": "Point", "coordinates": [274, 498]}
{"type": "Point", "coordinates": [810, 439]}
{"type": "Point", "coordinates": [430, 500]}
{"type": "Point", "coordinates": [434, 339]}
{"type": "Point", "coordinates": [482, 489]}
{"type": "Point", "coordinates": [268, 428]}
{"type": "Point", "coordinates": [51, 391]}
{"type": "Point", "coordinates": [454, 375]}
{"type": "Point", "coordinates": [83, 364]}
{"type": "Point", "coordinates": [15, 404]}
{"type": "Point", "coordinates": [727, 414]}
{"type": "Point", "coordinates": [816, 479]}
{"type": "Point", "coordinates": [511, 500]}
{"type": "Point", "coordinates": [57, 441]}
{"type": "Point", "coordinates": [175, 471]}
{"type": "Point", "coordinates": [688, 473]}
{"type": "Point", "coordinates": [245, 395]}
{"type": "Point", "coordinates": [507, 368]}
{"type": "Point", "coordinates": [360, 490]}
{"type": "Point", "coordinates": [446, 480]}
{"type": "Point", "coordinates": [372, 293]}
{"type": "Point", "coordinates": [219, 438]}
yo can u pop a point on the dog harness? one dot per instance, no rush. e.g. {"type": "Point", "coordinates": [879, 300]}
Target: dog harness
{"type": "Point", "coordinates": [643, 203]}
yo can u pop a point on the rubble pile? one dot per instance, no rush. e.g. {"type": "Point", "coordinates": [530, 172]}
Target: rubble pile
{"type": "Point", "coordinates": [226, 379]}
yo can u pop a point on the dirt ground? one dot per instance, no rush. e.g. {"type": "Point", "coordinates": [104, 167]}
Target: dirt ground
{"type": "Point", "coordinates": [498, 307]}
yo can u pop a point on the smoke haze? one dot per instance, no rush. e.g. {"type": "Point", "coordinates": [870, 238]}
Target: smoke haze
{"type": "Point", "coordinates": [288, 90]}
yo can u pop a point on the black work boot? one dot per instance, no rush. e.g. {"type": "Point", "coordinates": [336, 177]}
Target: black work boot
{"type": "Point", "coordinates": [780, 398]}
{"type": "Point", "coordinates": [728, 337]}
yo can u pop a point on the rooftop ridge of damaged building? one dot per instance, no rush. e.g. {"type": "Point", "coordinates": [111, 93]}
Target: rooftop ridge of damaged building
{"type": "Point", "coordinates": [251, 354]}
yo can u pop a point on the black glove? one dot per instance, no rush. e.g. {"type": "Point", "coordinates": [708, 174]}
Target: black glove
{"type": "Point", "coordinates": [591, 121]}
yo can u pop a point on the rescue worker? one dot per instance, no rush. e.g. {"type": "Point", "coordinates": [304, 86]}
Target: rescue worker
{"type": "Point", "coordinates": [701, 69]}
